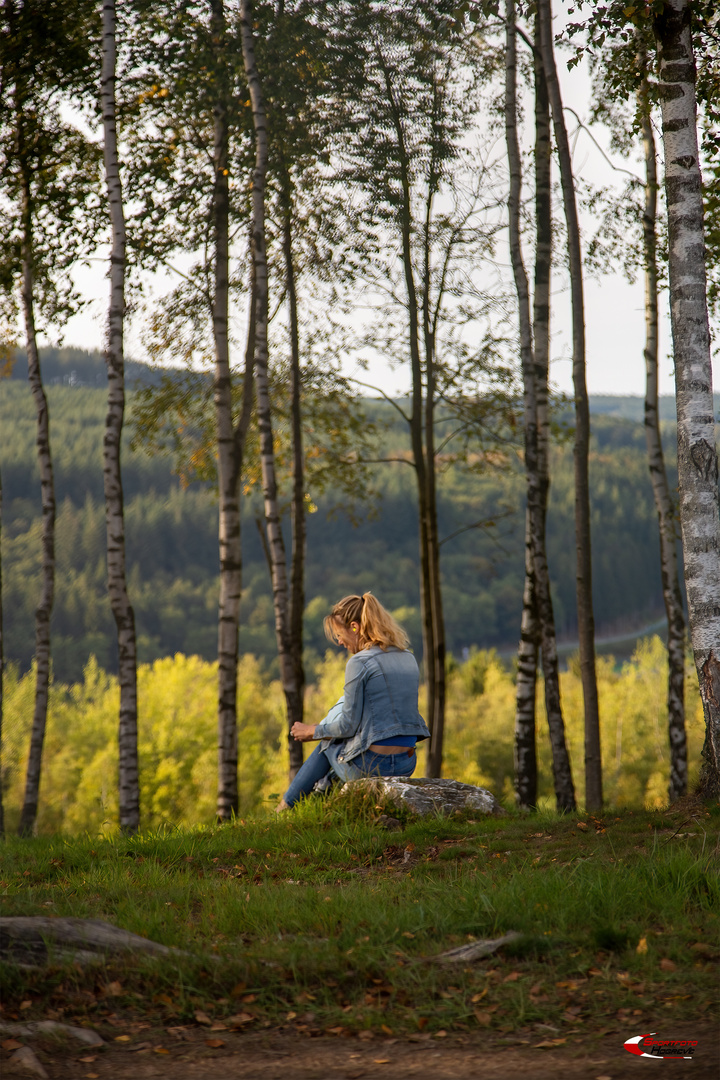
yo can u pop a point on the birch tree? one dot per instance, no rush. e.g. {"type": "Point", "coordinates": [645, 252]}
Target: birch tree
{"type": "Point", "coordinates": [583, 576]}
{"type": "Point", "coordinates": [291, 684]}
{"type": "Point", "coordinates": [129, 787]}
{"type": "Point", "coordinates": [48, 177]}
{"type": "Point", "coordinates": [185, 121]}
{"type": "Point", "coordinates": [670, 577]}
{"type": "Point", "coordinates": [697, 452]}
{"type": "Point", "coordinates": [537, 615]}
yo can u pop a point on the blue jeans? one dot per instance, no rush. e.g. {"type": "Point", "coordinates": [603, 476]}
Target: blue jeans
{"type": "Point", "coordinates": [368, 764]}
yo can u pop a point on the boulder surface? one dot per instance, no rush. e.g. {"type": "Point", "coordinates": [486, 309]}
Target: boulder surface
{"type": "Point", "coordinates": [427, 796]}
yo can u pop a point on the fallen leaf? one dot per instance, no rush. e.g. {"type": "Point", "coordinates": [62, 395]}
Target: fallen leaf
{"type": "Point", "coordinates": [114, 989]}
{"type": "Point", "coordinates": [335, 1030]}
{"type": "Point", "coordinates": [214, 1043]}
{"type": "Point", "coordinates": [386, 1029]}
{"type": "Point", "coordinates": [26, 1004]}
{"type": "Point", "coordinates": [87, 1060]}
{"type": "Point", "coordinates": [423, 1022]}
{"type": "Point", "coordinates": [581, 825]}
{"type": "Point", "coordinates": [478, 997]}
{"type": "Point", "coordinates": [406, 933]}
{"type": "Point", "coordinates": [667, 965]}
{"type": "Point", "coordinates": [122, 1038]}
{"type": "Point", "coordinates": [441, 1034]}
{"type": "Point", "coordinates": [92, 1076]}
{"type": "Point", "coordinates": [13, 1044]}
{"type": "Point", "coordinates": [291, 1016]}
{"type": "Point", "coordinates": [202, 1017]}
{"type": "Point", "coordinates": [703, 949]}
{"type": "Point", "coordinates": [512, 977]}
{"type": "Point", "coordinates": [642, 947]}
{"type": "Point", "coordinates": [381, 1061]}
{"type": "Point", "coordinates": [366, 1036]}
{"type": "Point", "coordinates": [548, 1043]}
{"type": "Point", "coordinates": [161, 1050]}
{"type": "Point", "coordinates": [240, 1018]}
{"type": "Point", "coordinates": [483, 1017]}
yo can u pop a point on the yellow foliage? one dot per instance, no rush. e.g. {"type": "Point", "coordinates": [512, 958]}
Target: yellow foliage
{"type": "Point", "coordinates": [177, 736]}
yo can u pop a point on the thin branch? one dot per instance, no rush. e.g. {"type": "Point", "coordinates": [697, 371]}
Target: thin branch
{"type": "Point", "coordinates": [369, 386]}
{"type": "Point", "coordinates": [586, 129]}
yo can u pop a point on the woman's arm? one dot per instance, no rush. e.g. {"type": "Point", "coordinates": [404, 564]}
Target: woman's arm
{"type": "Point", "coordinates": [344, 719]}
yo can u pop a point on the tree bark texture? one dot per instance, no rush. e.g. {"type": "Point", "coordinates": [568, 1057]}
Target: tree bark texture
{"type": "Point", "coordinates": [525, 745]}
{"type": "Point", "coordinates": [276, 544]}
{"type": "Point", "coordinates": [538, 623]}
{"type": "Point", "coordinates": [586, 621]}
{"type": "Point", "coordinates": [229, 541]}
{"type": "Point", "coordinates": [697, 452]}
{"type": "Point", "coordinates": [297, 574]}
{"type": "Point", "coordinates": [672, 594]}
{"type": "Point", "coordinates": [129, 782]}
{"type": "Point", "coordinates": [43, 611]}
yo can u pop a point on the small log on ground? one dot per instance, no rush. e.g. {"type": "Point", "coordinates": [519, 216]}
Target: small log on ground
{"type": "Point", "coordinates": [474, 950]}
{"type": "Point", "coordinates": [51, 1027]}
{"type": "Point", "coordinates": [426, 796]}
{"type": "Point", "coordinates": [35, 941]}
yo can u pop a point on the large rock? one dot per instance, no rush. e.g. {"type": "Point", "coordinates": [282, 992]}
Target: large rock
{"type": "Point", "coordinates": [426, 796]}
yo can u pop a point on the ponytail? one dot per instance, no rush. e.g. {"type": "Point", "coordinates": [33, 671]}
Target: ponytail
{"type": "Point", "coordinates": [377, 626]}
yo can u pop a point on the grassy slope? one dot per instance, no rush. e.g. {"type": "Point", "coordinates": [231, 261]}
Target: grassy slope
{"type": "Point", "coordinates": [318, 921]}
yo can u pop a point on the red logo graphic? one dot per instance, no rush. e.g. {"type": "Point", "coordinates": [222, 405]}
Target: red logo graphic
{"type": "Point", "coordinates": [650, 1047]}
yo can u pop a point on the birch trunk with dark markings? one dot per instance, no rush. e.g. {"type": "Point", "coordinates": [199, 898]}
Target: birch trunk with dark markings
{"type": "Point", "coordinates": [229, 460]}
{"type": "Point", "coordinates": [129, 783]}
{"type": "Point", "coordinates": [583, 576]}
{"type": "Point", "coordinates": [297, 516]}
{"type": "Point", "coordinates": [538, 624]}
{"type": "Point", "coordinates": [697, 452]}
{"type": "Point", "coordinates": [47, 488]}
{"type": "Point", "coordinates": [276, 544]}
{"type": "Point", "coordinates": [672, 594]}
{"type": "Point", "coordinates": [525, 742]}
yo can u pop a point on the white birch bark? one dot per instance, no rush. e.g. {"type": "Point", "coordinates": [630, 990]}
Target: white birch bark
{"type": "Point", "coordinates": [43, 611]}
{"type": "Point", "coordinates": [697, 452]}
{"type": "Point", "coordinates": [583, 575]}
{"type": "Point", "coordinates": [276, 544]}
{"type": "Point", "coordinates": [129, 781]}
{"type": "Point", "coordinates": [661, 491]}
{"type": "Point", "coordinates": [229, 540]}
{"type": "Point", "coordinates": [537, 617]}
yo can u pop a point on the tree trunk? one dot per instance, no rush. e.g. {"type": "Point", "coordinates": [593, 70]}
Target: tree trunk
{"type": "Point", "coordinates": [228, 460]}
{"type": "Point", "coordinates": [697, 453]}
{"type": "Point", "coordinates": [525, 746]}
{"type": "Point", "coordinates": [586, 621]}
{"type": "Point", "coordinates": [661, 492]}
{"type": "Point", "coordinates": [525, 754]}
{"type": "Point", "coordinates": [276, 543]}
{"type": "Point", "coordinates": [537, 619]}
{"type": "Point", "coordinates": [562, 772]}
{"type": "Point", "coordinates": [47, 487]}
{"type": "Point", "coordinates": [129, 785]}
{"type": "Point", "coordinates": [297, 577]}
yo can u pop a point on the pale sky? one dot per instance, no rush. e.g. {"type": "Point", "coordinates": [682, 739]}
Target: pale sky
{"type": "Point", "coordinates": [614, 308]}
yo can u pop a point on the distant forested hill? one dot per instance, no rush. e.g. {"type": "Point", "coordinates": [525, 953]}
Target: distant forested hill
{"type": "Point", "coordinates": [172, 545]}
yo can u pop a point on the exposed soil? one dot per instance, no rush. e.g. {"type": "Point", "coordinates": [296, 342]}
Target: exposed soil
{"type": "Point", "coordinates": [280, 1055]}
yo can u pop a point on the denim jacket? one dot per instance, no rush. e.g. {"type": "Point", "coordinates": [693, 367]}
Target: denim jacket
{"type": "Point", "coordinates": [380, 700]}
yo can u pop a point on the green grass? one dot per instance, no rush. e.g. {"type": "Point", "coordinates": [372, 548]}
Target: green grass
{"type": "Point", "coordinates": [322, 919]}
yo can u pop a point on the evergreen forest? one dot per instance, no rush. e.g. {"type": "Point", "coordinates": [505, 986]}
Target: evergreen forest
{"type": "Point", "coordinates": [172, 539]}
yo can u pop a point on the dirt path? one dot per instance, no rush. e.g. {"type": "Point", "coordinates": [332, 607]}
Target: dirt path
{"type": "Point", "coordinates": [274, 1055]}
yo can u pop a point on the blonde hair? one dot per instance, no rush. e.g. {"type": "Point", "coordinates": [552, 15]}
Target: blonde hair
{"type": "Point", "coordinates": [377, 626]}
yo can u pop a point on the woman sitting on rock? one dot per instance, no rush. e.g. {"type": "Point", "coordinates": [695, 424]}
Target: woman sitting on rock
{"type": "Point", "coordinates": [373, 729]}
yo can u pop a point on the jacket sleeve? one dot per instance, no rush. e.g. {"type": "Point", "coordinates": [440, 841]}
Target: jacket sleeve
{"type": "Point", "coordinates": [344, 719]}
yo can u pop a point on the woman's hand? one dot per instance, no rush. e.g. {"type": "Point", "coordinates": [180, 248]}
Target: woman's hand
{"type": "Point", "coordinates": [303, 732]}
